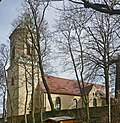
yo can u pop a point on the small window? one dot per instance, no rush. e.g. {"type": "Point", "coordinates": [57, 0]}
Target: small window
{"type": "Point", "coordinates": [13, 52]}
{"type": "Point", "coordinates": [94, 102]}
{"type": "Point", "coordinates": [74, 103]}
{"type": "Point", "coordinates": [29, 46]}
{"type": "Point", "coordinates": [12, 81]}
{"type": "Point", "coordinates": [28, 49]}
{"type": "Point", "coordinates": [96, 94]}
{"type": "Point", "coordinates": [58, 103]}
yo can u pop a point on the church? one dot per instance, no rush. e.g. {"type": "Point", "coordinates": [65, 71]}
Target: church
{"type": "Point", "coordinates": [22, 71]}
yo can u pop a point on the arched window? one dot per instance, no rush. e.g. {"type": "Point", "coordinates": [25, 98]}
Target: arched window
{"type": "Point", "coordinates": [95, 102]}
{"type": "Point", "coordinates": [74, 103]}
{"type": "Point", "coordinates": [29, 46]}
{"type": "Point", "coordinates": [58, 103]}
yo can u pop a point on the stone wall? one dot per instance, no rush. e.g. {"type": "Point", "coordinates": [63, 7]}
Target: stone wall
{"type": "Point", "coordinates": [97, 115]}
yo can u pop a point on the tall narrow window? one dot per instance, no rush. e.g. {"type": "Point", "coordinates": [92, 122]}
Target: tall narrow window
{"type": "Point", "coordinates": [74, 103]}
{"type": "Point", "coordinates": [94, 102]}
{"type": "Point", "coordinates": [28, 48]}
{"type": "Point", "coordinates": [58, 103]}
{"type": "Point", "coordinates": [12, 81]}
{"type": "Point", "coordinates": [13, 52]}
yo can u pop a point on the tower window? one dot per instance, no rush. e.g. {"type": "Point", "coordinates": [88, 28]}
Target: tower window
{"type": "Point", "coordinates": [13, 52]}
{"type": "Point", "coordinates": [12, 81]}
{"type": "Point", "coordinates": [28, 48]}
{"type": "Point", "coordinates": [58, 103]}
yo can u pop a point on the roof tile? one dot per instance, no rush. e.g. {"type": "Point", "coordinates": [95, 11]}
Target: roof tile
{"type": "Point", "coordinates": [66, 86]}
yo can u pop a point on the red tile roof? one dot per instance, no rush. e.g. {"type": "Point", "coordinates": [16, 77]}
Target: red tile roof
{"type": "Point", "coordinates": [66, 86]}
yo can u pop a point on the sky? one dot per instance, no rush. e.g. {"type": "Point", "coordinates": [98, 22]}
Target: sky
{"type": "Point", "coordinates": [9, 10]}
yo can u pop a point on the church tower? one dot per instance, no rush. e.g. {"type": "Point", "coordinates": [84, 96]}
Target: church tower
{"type": "Point", "coordinates": [22, 72]}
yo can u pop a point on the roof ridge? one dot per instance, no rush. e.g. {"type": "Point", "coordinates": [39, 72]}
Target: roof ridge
{"type": "Point", "coordinates": [94, 83]}
{"type": "Point", "coordinates": [60, 77]}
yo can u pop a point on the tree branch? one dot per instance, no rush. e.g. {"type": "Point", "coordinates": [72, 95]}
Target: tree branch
{"type": "Point", "coordinates": [103, 8]}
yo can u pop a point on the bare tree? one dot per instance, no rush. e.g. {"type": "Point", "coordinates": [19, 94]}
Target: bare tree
{"type": "Point", "coordinates": [3, 91]}
{"type": "Point", "coordinates": [71, 45]}
{"type": "Point", "coordinates": [100, 43]}
{"type": "Point", "coordinates": [104, 6]}
{"type": "Point", "coordinates": [26, 100]}
{"type": "Point", "coordinates": [37, 23]}
{"type": "Point", "coordinates": [103, 45]}
{"type": "Point", "coordinates": [4, 60]}
{"type": "Point", "coordinates": [33, 21]}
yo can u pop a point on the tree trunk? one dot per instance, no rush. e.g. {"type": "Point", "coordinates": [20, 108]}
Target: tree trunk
{"type": "Point", "coordinates": [42, 74]}
{"type": "Point", "coordinates": [4, 106]}
{"type": "Point", "coordinates": [33, 84]}
{"type": "Point", "coordinates": [26, 86]}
